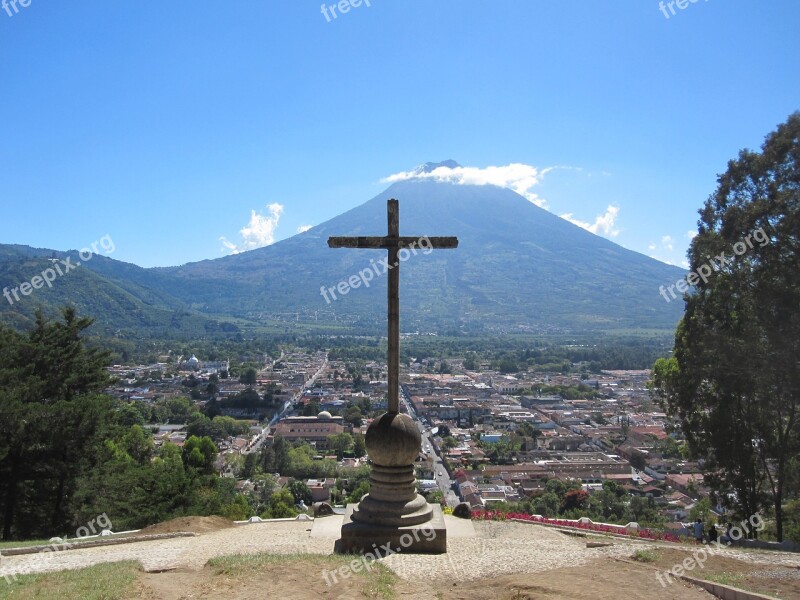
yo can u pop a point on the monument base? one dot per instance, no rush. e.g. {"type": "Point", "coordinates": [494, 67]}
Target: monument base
{"type": "Point", "coordinates": [361, 538]}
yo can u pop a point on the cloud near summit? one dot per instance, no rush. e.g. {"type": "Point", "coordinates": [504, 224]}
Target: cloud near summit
{"type": "Point", "coordinates": [516, 176]}
{"type": "Point", "coordinates": [519, 177]}
{"type": "Point", "coordinates": [603, 224]}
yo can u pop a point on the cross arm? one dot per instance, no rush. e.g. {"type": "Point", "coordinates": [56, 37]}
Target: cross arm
{"type": "Point", "coordinates": [423, 242]}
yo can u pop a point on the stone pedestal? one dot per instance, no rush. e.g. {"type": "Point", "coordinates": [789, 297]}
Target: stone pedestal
{"type": "Point", "coordinates": [393, 512]}
{"type": "Point", "coordinates": [428, 538]}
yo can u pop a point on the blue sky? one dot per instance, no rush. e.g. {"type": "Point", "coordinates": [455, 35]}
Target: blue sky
{"type": "Point", "coordinates": [166, 124]}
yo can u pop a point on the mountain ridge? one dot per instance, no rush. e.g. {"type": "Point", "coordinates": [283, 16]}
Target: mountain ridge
{"type": "Point", "coordinates": [518, 268]}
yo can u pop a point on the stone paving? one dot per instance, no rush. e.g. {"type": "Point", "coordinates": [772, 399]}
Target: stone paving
{"type": "Point", "coordinates": [496, 548]}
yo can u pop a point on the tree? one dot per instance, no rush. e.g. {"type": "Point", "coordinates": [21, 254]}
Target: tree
{"type": "Point", "coordinates": [643, 511]}
{"type": "Point", "coordinates": [506, 365]}
{"type": "Point", "coordinates": [133, 494]}
{"type": "Point", "coordinates": [358, 492]}
{"type": "Point", "coordinates": [275, 458]}
{"type": "Point", "coordinates": [312, 409]}
{"type": "Point", "coordinates": [574, 500]}
{"type": "Point", "coordinates": [555, 486]}
{"type": "Point", "coordinates": [734, 380]}
{"type": "Point", "coordinates": [547, 505]}
{"type": "Point", "coordinates": [668, 447]}
{"type": "Point", "coordinates": [638, 460]}
{"type": "Point", "coordinates": [449, 442]}
{"type": "Point", "coordinates": [340, 443]}
{"type": "Point", "coordinates": [358, 382]}
{"type": "Point", "coordinates": [525, 435]}
{"type": "Point", "coordinates": [212, 408]}
{"type": "Point", "coordinates": [200, 453]}
{"type": "Point", "coordinates": [129, 415]}
{"type": "Point", "coordinates": [137, 444]}
{"type": "Point", "coordinates": [238, 510]}
{"type": "Point", "coordinates": [359, 445]}
{"type": "Point", "coordinates": [200, 425]}
{"type": "Point", "coordinates": [608, 502]}
{"type": "Point", "coordinates": [248, 377]}
{"type": "Point", "coordinates": [51, 416]}
{"type": "Point", "coordinates": [700, 510]}
{"type": "Point", "coordinates": [300, 491]}
{"type": "Point", "coordinates": [281, 506]}
{"type": "Point", "coordinates": [525, 429]}
{"type": "Point", "coordinates": [249, 465]}
{"type": "Point", "coordinates": [263, 486]}
{"type": "Point", "coordinates": [180, 409]}
{"type": "Point", "coordinates": [353, 416]}
{"type": "Point", "coordinates": [435, 496]}
{"type": "Point", "coordinates": [501, 452]}
{"type": "Point", "coordinates": [272, 396]}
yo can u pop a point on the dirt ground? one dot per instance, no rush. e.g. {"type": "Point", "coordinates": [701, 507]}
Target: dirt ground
{"type": "Point", "coordinates": [777, 581]}
{"type": "Point", "coordinates": [299, 580]}
{"type": "Point", "coordinates": [605, 579]}
{"type": "Point", "coordinates": [194, 524]}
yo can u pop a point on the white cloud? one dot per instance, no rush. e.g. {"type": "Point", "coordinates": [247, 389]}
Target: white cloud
{"type": "Point", "coordinates": [304, 228]}
{"type": "Point", "coordinates": [516, 176]}
{"type": "Point", "coordinates": [691, 234]}
{"type": "Point", "coordinates": [602, 223]}
{"type": "Point", "coordinates": [664, 246]}
{"type": "Point", "coordinates": [259, 232]}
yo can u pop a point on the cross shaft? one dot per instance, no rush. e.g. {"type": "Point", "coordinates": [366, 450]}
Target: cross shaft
{"type": "Point", "coordinates": [393, 243]}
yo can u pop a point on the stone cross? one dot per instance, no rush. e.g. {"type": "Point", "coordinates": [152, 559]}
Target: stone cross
{"type": "Point", "coordinates": [393, 243]}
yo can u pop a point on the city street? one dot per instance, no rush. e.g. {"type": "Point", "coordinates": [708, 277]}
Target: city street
{"type": "Point", "coordinates": [439, 471]}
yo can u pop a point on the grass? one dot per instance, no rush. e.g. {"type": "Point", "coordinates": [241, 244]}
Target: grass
{"type": "Point", "coordinates": [25, 544]}
{"type": "Point", "coordinates": [645, 556]}
{"type": "Point", "coordinates": [377, 582]}
{"type": "Point", "coordinates": [109, 581]}
{"type": "Point", "coordinates": [724, 578]}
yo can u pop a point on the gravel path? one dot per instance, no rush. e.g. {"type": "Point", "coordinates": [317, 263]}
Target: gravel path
{"type": "Point", "coordinates": [497, 548]}
{"type": "Point", "coordinates": [283, 537]}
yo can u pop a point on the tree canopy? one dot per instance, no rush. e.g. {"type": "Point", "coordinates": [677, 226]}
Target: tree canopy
{"type": "Point", "coordinates": [734, 379]}
{"type": "Point", "coordinates": [50, 415]}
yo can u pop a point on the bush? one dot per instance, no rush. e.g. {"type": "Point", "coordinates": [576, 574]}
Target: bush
{"type": "Point", "coordinates": [645, 556]}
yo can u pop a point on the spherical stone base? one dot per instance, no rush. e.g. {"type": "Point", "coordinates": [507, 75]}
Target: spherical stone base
{"type": "Point", "coordinates": [393, 440]}
{"type": "Point", "coordinates": [393, 443]}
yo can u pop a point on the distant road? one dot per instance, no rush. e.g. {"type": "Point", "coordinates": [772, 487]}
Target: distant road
{"type": "Point", "coordinates": [287, 406]}
{"type": "Point", "coordinates": [439, 472]}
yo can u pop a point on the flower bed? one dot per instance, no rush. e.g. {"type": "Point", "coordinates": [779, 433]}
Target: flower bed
{"type": "Point", "coordinates": [586, 524]}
